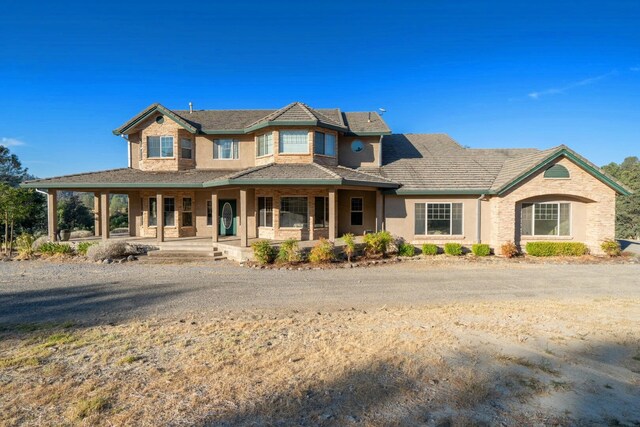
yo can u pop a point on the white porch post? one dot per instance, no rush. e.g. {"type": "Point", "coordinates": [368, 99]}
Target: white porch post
{"type": "Point", "coordinates": [96, 214]}
{"type": "Point", "coordinates": [243, 218]}
{"type": "Point", "coordinates": [215, 221]}
{"type": "Point", "coordinates": [333, 223]}
{"type": "Point", "coordinates": [104, 214]}
{"type": "Point", "coordinates": [52, 214]}
{"type": "Point", "coordinates": [160, 216]}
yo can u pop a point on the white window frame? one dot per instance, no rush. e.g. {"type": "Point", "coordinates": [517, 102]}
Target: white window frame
{"type": "Point", "coordinates": [161, 137]}
{"type": "Point", "coordinates": [325, 212]}
{"type": "Point", "coordinates": [190, 141]}
{"type": "Point", "coordinates": [280, 212]}
{"type": "Point", "coordinates": [268, 143]}
{"type": "Point", "coordinates": [260, 216]}
{"type": "Point", "coordinates": [235, 149]}
{"type": "Point", "coordinates": [291, 131]}
{"type": "Point", "coordinates": [426, 218]}
{"type": "Point", "coordinates": [533, 219]}
{"type": "Point", "coordinates": [351, 211]}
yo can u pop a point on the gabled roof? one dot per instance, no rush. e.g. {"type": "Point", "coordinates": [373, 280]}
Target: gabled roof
{"type": "Point", "coordinates": [436, 164]}
{"type": "Point", "coordinates": [149, 111]}
{"type": "Point", "coordinates": [245, 121]}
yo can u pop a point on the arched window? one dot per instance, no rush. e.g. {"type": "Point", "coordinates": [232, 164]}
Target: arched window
{"type": "Point", "coordinates": [556, 171]}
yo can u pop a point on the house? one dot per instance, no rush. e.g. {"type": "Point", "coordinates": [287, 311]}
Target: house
{"type": "Point", "coordinates": [305, 173]}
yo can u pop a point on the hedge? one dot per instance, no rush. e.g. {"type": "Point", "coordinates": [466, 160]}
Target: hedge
{"type": "Point", "coordinates": [454, 249]}
{"type": "Point", "coordinates": [481, 249]}
{"type": "Point", "coordinates": [429, 249]}
{"type": "Point", "coordinates": [556, 248]}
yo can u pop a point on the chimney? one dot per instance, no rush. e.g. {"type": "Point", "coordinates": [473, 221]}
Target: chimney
{"type": "Point", "coordinates": [190, 107]}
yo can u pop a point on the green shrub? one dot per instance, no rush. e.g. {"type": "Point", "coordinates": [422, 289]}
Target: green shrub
{"type": "Point", "coordinates": [263, 252]}
{"type": "Point", "coordinates": [289, 251]}
{"type": "Point", "coordinates": [322, 252]}
{"type": "Point", "coordinates": [406, 249]}
{"type": "Point", "coordinates": [454, 249]}
{"type": "Point", "coordinates": [24, 244]}
{"type": "Point", "coordinates": [377, 243]}
{"type": "Point", "coordinates": [53, 248]}
{"type": "Point", "coordinates": [349, 245]}
{"type": "Point", "coordinates": [611, 247]}
{"type": "Point", "coordinates": [556, 249]}
{"type": "Point", "coordinates": [509, 250]}
{"type": "Point", "coordinates": [429, 249]}
{"type": "Point", "coordinates": [83, 247]}
{"type": "Point", "coordinates": [480, 249]}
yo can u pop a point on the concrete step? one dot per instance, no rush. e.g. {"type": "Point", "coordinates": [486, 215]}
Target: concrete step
{"type": "Point", "coordinates": [185, 254]}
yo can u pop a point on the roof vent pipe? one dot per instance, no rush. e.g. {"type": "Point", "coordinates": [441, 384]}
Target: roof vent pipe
{"type": "Point", "coordinates": [369, 119]}
{"type": "Point", "coordinates": [190, 107]}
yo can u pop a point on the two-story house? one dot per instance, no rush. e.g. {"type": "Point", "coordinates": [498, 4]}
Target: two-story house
{"type": "Point", "coordinates": [306, 173]}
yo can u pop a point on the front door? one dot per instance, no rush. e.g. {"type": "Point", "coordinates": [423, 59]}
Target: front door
{"type": "Point", "coordinates": [227, 215]}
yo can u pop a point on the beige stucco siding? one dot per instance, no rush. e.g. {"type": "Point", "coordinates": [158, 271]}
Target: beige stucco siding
{"type": "Point", "coordinates": [344, 212]}
{"type": "Point", "coordinates": [204, 152]}
{"type": "Point", "coordinates": [593, 207]}
{"type": "Point", "coordinates": [369, 157]}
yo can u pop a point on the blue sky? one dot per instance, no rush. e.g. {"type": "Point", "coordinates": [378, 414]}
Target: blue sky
{"type": "Point", "coordinates": [490, 74]}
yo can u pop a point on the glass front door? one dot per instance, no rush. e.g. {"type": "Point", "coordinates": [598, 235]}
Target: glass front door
{"type": "Point", "coordinates": [228, 220]}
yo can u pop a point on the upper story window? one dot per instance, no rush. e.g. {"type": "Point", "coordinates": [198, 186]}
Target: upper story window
{"type": "Point", "coordinates": [324, 143]}
{"type": "Point", "coordinates": [186, 148]}
{"type": "Point", "coordinates": [545, 219]}
{"type": "Point", "coordinates": [294, 142]}
{"type": "Point", "coordinates": [225, 149]}
{"type": "Point", "coordinates": [264, 144]}
{"type": "Point", "coordinates": [159, 146]}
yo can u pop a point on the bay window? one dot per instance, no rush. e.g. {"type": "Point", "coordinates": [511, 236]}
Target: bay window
{"type": "Point", "coordinates": [324, 143]}
{"type": "Point", "coordinates": [545, 219]}
{"type": "Point", "coordinates": [186, 148]}
{"type": "Point", "coordinates": [159, 146]}
{"type": "Point", "coordinates": [264, 144]}
{"type": "Point", "coordinates": [294, 142]}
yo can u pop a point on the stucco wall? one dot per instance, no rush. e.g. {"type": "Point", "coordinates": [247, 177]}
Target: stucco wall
{"type": "Point", "coordinates": [204, 152]}
{"type": "Point", "coordinates": [369, 157]}
{"type": "Point", "coordinates": [344, 212]}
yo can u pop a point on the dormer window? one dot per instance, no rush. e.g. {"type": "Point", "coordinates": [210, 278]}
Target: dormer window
{"type": "Point", "coordinates": [325, 144]}
{"type": "Point", "coordinates": [294, 142]}
{"type": "Point", "coordinates": [159, 146]}
{"type": "Point", "coordinates": [225, 149]}
{"type": "Point", "coordinates": [264, 144]}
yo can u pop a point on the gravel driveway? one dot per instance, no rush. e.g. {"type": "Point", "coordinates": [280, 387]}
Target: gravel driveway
{"type": "Point", "coordinates": [38, 291]}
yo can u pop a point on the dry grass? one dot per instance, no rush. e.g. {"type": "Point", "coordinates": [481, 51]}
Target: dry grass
{"type": "Point", "coordinates": [468, 363]}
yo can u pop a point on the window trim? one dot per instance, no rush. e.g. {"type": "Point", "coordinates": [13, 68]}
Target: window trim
{"type": "Point", "coordinates": [161, 157]}
{"type": "Point", "coordinates": [183, 139]}
{"type": "Point", "coordinates": [235, 149]}
{"type": "Point", "coordinates": [164, 212]}
{"type": "Point", "coordinates": [285, 196]}
{"type": "Point", "coordinates": [351, 211]}
{"type": "Point", "coordinates": [270, 152]}
{"type": "Point", "coordinates": [326, 213]}
{"type": "Point", "coordinates": [259, 214]}
{"type": "Point", "coordinates": [426, 219]}
{"type": "Point", "coordinates": [284, 153]}
{"type": "Point", "coordinates": [533, 220]}
{"type": "Point", "coordinates": [186, 211]}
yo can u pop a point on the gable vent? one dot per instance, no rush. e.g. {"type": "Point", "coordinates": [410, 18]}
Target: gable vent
{"type": "Point", "coordinates": [556, 171]}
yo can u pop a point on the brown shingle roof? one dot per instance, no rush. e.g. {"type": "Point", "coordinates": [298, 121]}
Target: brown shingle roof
{"type": "Point", "coordinates": [365, 122]}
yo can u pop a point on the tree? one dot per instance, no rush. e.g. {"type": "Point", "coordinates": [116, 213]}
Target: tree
{"type": "Point", "coordinates": [14, 208]}
{"type": "Point", "coordinates": [11, 171]}
{"type": "Point", "coordinates": [72, 214]}
{"type": "Point", "coordinates": [627, 207]}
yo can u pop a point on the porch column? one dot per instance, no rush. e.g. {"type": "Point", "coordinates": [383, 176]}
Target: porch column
{"type": "Point", "coordinates": [52, 214]}
{"type": "Point", "coordinates": [243, 218]}
{"type": "Point", "coordinates": [379, 211]}
{"type": "Point", "coordinates": [333, 223]}
{"type": "Point", "coordinates": [312, 210]}
{"type": "Point", "coordinates": [215, 221]}
{"type": "Point", "coordinates": [134, 209]}
{"type": "Point", "coordinates": [96, 214]}
{"type": "Point", "coordinates": [104, 214]}
{"type": "Point", "coordinates": [160, 216]}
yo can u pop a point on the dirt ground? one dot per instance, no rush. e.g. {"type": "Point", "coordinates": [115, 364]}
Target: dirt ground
{"type": "Point", "coordinates": [536, 345]}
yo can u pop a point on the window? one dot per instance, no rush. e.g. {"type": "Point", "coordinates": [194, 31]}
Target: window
{"type": "Point", "coordinates": [356, 211]}
{"type": "Point", "coordinates": [209, 212]}
{"type": "Point", "coordinates": [557, 171]}
{"type": "Point", "coordinates": [294, 142]}
{"type": "Point", "coordinates": [265, 144]}
{"type": "Point", "coordinates": [225, 149]}
{"type": "Point", "coordinates": [265, 211]}
{"type": "Point", "coordinates": [545, 219]}
{"type": "Point", "coordinates": [159, 146]}
{"type": "Point", "coordinates": [153, 212]}
{"type": "Point", "coordinates": [293, 212]}
{"type": "Point", "coordinates": [321, 214]}
{"type": "Point", "coordinates": [187, 214]}
{"type": "Point", "coordinates": [438, 219]}
{"type": "Point", "coordinates": [324, 143]}
{"type": "Point", "coordinates": [186, 148]}
{"type": "Point", "coordinates": [169, 212]}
